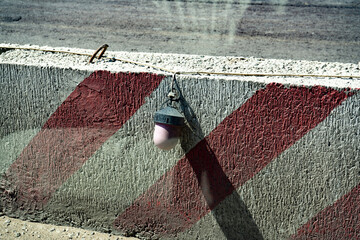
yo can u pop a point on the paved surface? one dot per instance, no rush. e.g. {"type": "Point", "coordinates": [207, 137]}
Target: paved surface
{"type": "Point", "coordinates": [286, 29]}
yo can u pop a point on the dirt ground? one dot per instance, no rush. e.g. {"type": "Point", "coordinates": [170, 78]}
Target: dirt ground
{"type": "Point", "coordinates": [325, 30]}
{"type": "Point", "coordinates": [12, 228]}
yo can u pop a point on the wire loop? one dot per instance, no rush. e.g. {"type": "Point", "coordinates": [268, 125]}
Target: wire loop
{"type": "Point", "coordinates": [103, 47]}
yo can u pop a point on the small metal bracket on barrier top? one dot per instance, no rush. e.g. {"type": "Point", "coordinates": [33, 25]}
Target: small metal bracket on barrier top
{"type": "Point", "coordinates": [103, 47]}
{"type": "Point", "coordinates": [173, 94]}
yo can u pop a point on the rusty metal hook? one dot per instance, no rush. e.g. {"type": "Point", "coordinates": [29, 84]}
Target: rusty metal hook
{"type": "Point", "coordinates": [103, 47]}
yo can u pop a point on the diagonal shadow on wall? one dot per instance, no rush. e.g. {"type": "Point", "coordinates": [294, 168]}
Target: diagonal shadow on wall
{"type": "Point", "coordinates": [231, 213]}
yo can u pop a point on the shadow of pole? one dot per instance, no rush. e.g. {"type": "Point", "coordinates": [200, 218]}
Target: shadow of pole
{"type": "Point", "coordinates": [226, 205]}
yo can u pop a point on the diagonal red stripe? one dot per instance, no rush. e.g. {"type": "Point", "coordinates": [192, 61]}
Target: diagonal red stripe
{"type": "Point", "coordinates": [338, 221]}
{"type": "Point", "coordinates": [94, 111]}
{"type": "Point", "coordinates": [239, 147]}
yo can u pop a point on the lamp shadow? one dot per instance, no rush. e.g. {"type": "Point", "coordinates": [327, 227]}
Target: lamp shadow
{"type": "Point", "coordinates": [229, 210]}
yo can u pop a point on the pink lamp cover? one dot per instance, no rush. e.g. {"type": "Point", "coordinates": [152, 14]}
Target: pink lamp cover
{"type": "Point", "coordinates": [166, 136]}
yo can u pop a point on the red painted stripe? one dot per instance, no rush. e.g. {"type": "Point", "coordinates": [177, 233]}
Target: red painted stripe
{"type": "Point", "coordinates": [338, 221]}
{"type": "Point", "coordinates": [239, 147]}
{"type": "Point", "coordinates": [94, 111]}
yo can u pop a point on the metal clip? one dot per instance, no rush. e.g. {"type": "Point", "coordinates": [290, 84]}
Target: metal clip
{"type": "Point", "coordinates": [173, 94]}
{"type": "Point", "coordinates": [103, 47]}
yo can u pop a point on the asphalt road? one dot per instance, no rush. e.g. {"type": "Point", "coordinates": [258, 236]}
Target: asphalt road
{"type": "Point", "coordinates": [288, 29]}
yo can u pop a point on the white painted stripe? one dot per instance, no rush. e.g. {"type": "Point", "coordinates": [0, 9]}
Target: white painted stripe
{"type": "Point", "coordinates": [28, 96]}
{"type": "Point", "coordinates": [309, 176]}
{"type": "Point", "coordinates": [12, 145]}
{"type": "Point", "coordinates": [129, 163]}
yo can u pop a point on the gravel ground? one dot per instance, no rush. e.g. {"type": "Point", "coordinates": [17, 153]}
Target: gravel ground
{"type": "Point", "coordinates": [11, 228]}
{"type": "Point", "coordinates": [322, 30]}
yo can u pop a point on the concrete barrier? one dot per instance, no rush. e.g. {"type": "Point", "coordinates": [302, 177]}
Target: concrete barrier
{"type": "Point", "coordinates": [257, 159]}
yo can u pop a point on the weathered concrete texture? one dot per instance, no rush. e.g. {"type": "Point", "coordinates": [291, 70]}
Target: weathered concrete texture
{"type": "Point", "coordinates": [129, 163]}
{"type": "Point", "coordinates": [94, 111]}
{"type": "Point", "coordinates": [306, 178]}
{"type": "Point", "coordinates": [28, 96]}
{"type": "Point", "coordinates": [271, 121]}
{"type": "Point", "coordinates": [255, 160]}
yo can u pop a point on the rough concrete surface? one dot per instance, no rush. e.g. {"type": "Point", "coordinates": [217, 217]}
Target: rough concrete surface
{"type": "Point", "coordinates": [259, 157]}
{"type": "Point", "coordinates": [188, 63]}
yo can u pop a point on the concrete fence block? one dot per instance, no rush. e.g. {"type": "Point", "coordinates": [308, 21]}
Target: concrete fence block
{"type": "Point", "coordinates": [257, 159]}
